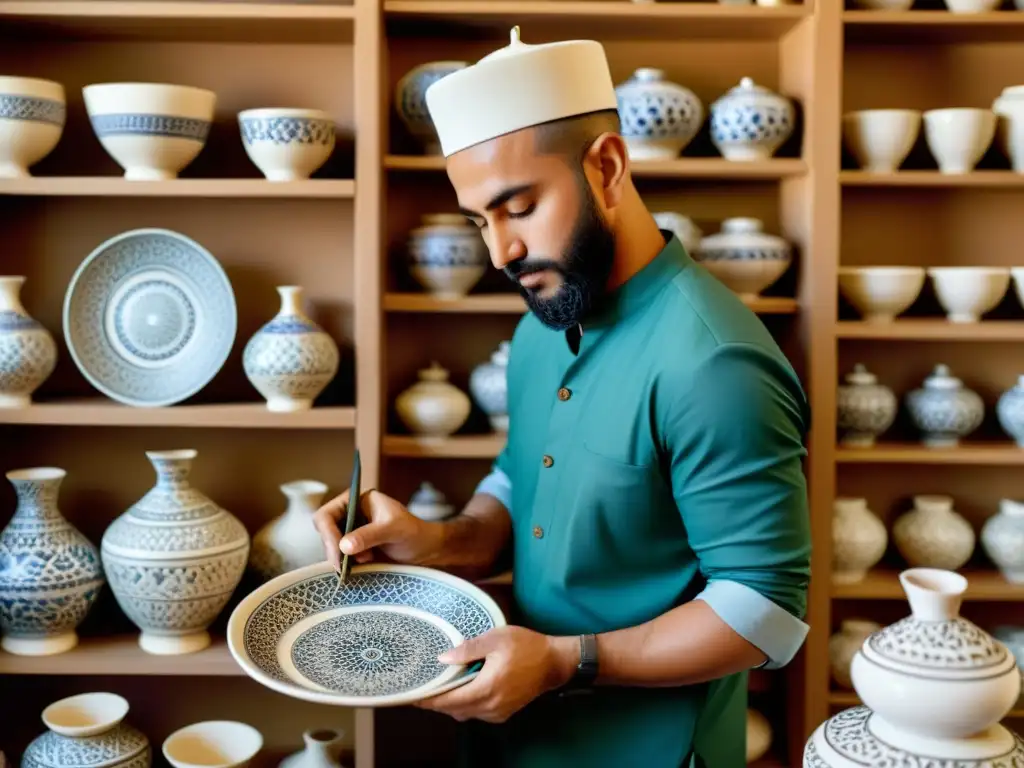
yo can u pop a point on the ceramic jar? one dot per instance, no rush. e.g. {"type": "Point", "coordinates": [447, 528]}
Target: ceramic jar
{"type": "Point", "coordinates": [290, 541]}
{"type": "Point", "coordinates": [433, 407]}
{"type": "Point", "coordinates": [447, 255]}
{"type": "Point", "coordinates": [750, 122]}
{"type": "Point", "coordinates": [174, 558]}
{"type": "Point", "coordinates": [411, 102]}
{"type": "Point", "coordinates": [50, 574]}
{"type": "Point", "coordinates": [682, 227]}
{"type": "Point", "coordinates": [291, 359]}
{"type": "Point", "coordinates": [428, 503]}
{"type": "Point", "coordinates": [859, 540]}
{"type": "Point", "coordinates": [866, 409]}
{"type": "Point", "coordinates": [744, 257]}
{"type": "Point", "coordinates": [28, 353]}
{"type": "Point", "coordinates": [1010, 411]}
{"type": "Point", "coordinates": [759, 735]}
{"type": "Point", "coordinates": [659, 118]}
{"type": "Point", "coordinates": [88, 731]}
{"type": "Point", "coordinates": [488, 385]}
{"type": "Point", "coordinates": [932, 534]}
{"type": "Point", "coordinates": [843, 646]}
{"type": "Point", "coordinates": [322, 750]}
{"type": "Point", "coordinates": [1002, 538]}
{"type": "Point", "coordinates": [1009, 109]}
{"type": "Point", "coordinates": [944, 410]}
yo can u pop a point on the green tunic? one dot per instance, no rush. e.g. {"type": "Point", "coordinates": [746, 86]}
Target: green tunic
{"type": "Point", "coordinates": [663, 454]}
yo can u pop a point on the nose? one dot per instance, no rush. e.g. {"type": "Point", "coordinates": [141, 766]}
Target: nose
{"type": "Point", "coordinates": [505, 247]}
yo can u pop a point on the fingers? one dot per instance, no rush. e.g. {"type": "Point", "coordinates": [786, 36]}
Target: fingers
{"type": "Point", "coordinates": [325, 520]}
{"type": "Point", "coordinates": [463, 702]}
{"type": "Point", "coordinates": [473, 649]}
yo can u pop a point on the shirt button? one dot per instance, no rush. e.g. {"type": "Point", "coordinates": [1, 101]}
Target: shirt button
{"type": "Point", "coordinates": [564, 394]}
{"type": "Point", "coordinates": [538, 532]}
{"type": "Point", "coordinates": [547, 461]}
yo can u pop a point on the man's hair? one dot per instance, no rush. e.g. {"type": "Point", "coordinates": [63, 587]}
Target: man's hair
{"type": "Point", "coordinates": [572, 136]}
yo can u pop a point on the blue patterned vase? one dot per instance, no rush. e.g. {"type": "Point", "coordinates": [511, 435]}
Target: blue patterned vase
{"type": "Point", "coordinates": [489, 386]}
{"type": "Point", "coordinates": [50, 574]}
{"type": "Point", "coordinates": [28, 353]}
{"type": "Point", "coordinates": [750, 122]}
{"type": "Point", "coordinates": [291, 359]}
{"type": "Point", "coordinates": [1010, 411]}
{"type": "Point", "coordinates": [32, 115]}
{"type": "Point", "coordinates": [944, 410]}
{"type": "Point", "coordinates": [659, 118]}
{"type": "Point", "coordinates": [411, 103]}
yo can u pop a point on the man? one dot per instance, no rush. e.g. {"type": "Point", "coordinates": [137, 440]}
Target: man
{"type": "Point", "coordinates": [651, 486]}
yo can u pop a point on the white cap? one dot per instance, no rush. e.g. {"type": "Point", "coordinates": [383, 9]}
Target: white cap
{"type": "Point", "coordinates": [519, 86]}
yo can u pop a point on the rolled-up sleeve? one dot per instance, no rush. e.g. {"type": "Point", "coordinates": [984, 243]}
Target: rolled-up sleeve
{"type": "Point", "coordinates": [734, 437]}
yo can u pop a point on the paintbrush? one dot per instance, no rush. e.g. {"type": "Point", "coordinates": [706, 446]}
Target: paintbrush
{"type": "Point", "coordinates": [353, 506]}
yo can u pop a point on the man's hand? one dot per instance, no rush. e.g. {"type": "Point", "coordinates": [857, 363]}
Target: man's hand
{"type": "Point", "coordinates": [519, 665]}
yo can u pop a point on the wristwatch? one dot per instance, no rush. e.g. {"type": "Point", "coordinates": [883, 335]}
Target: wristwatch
{"type": "Point", "coordinates": [586, 670]}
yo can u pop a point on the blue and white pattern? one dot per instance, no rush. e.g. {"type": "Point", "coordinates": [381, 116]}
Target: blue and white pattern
{"type": "Point", "coordinates": [750, 122]}
{"type": "Point", "coordinates": [657, 113]}
{"type": "Point", "coordinates": [287, 130]}
{"type": "Point", "coordinates": [488, 383]}
{"type": "Point", "coordinates": [742, 254]}
{"type": "Point", "coordinates": [123, 746]}
{"type": "Point", "coordinates": [28, 354]}
{"type": "Point", "coordinates": [1009, 410]}
{"type": "Point", "coordinates": [411, 102]}
{"type": "Point", "coordinates": [32, 109]}
{"type": "Point", "coordinates": [50, 574]}
{"type": "Point", "coordinates": [150, 317]}
{"type": "Point", "coordinates": [944, 410]}
{"type": "Point", "coordinates": [135, 124]}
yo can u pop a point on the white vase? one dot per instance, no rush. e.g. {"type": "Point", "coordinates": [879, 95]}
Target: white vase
{"type": "Point", "coordinates": [488, 384]}
{"type": "Point", "coordinates": [865, 408]}
{"type": "Point", "coordinates": [1002, 537]}
{"type": "Point", "coordinates": [28, 353]}
{"type": "Point", "coordinates": [659, 118]}
{"type": "Point", "coordinates": [933, 535]}
{"type": "Point", "coordinates": [843, 646]}
{"type": "Point", "coordinates": [291, 359]}
{"type": "Point", "coordinates": [447, 255]}
{"type": "Point", "coordinates": [944, 410]}
{"type": "Point", "coordinates": [50, 573]}
{"type": "Point", "coordinates": [1010, 411]}
{"type": "Point", "coordinates": [859, 540]}
{"type": "Point", "coordinates": [174, 558]}
{"type": "Point", "coordinates": [428, 503]}
{"type": "Point", "coordinates": [322, 750]}
{"type": "Point", "coordinates": [290, 540]}
{"type": "Point", "coordinates": [750, 122]}
{"type": "Point", "coordinates": [433, 407]}
{"type": "Point", "coordinates": [744, 257]}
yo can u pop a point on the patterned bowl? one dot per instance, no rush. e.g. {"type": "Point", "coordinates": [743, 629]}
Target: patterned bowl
{"type": "Point", "coordinates": [287, 144]}
{"type": "Point", "coordinates": [370, 642]}
{"type": "Point", "coordinates": [32, 114]}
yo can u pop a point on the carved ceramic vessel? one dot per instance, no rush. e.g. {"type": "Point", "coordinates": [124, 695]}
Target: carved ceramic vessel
{"type": "Point", "coordinates": [428, 503]}
{"type": "Point", "coordinates": [28, 353]}
{"type": "Point", "coordinates": [290, 540]}
{"type": "Point", "coordinates": [865, 408]}
{"type": "Point", "coordinates": [1002, 537]}
{"type": "Point", "coordinates": [411, 102]}
{"type": "Point", "coordinates": [750, 122]}
{"type": "Point", "coordinates": [447, 255]}
{"type": "Point", "coordinates": [88, 731]}
{"type": "Point", "coordinates": [859, 540]}
{"type": "Point", "coordinates": [659, 118]}
{"type": "Point", "coordinates": [50, 574]}
{"type": "Point", "coordinates": [489, 387]}
{"type": "Point", "coordinates": [843, 646]}
{"type": "Point", "coordinates": [174, 558]}
{"type": "Point", "coordinates": [1010, 411]}
{"type": "Point", "coordinates": [744, 257]}
{"type": "Point", "coordinates": [433, 407]}
{"type": "Point", "coordinates": [933, 535]}
{"type": "Point", "coordinates": [944, 410]}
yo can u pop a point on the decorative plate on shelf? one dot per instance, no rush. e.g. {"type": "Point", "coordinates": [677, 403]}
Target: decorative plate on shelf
{"type": "Point", "coordinates": [149, 317]}
{"type": "Point", "coordinates": [370, 642]}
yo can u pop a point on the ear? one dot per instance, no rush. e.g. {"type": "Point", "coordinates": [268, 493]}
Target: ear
{"type": "Point", "coordinates": [608, 159]}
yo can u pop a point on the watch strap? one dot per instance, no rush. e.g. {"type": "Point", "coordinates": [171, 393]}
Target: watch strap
{"type": "Point", "coordinates": [587, 668]}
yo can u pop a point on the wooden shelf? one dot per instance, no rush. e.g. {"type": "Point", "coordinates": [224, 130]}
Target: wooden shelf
{"type": "Point", "coordinates": [938, 26]}
{"type": "Point", "coordinates": [457, 447]}
{"type": "Point", "coordinates": [117, 186]}
{"type": "Point", "coordinates": [981, 179]}
{"type": "Point", "coordinates": [98, 412]}
{"type": "Point", "coordinates": [599, 19]}
{"type": "Point", "coordinates": [194, 20]}
{"type": "Point", "coordinates": [884, 585]}
{"type": "Point", "coordinates": [682, 168]}
{"type": "Point", "coordinates": [512, 303]}
{"type": "Point", "coordinates": [995, 454]}
{"type": "Point", "coordinates": [933, 330]}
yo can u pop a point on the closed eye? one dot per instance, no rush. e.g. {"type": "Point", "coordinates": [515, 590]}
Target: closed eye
{"type": "Point", "coordinates": [522, 214]}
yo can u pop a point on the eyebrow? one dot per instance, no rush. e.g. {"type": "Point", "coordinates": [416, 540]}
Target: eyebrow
{"type": "Point", "coordinates": [499, 199]}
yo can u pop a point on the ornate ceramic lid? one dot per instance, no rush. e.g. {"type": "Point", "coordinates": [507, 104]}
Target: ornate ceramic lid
{"type": "Point", "coordinates": [942, 379]}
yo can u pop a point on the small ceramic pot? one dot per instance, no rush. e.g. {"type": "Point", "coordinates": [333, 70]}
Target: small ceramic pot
{"type": "Point", "coordinates": [759, 735]}
{"type": "Point", "coordinates": [682, 227]}
{"type": "Point", "coordinates": [866, 409]}
{"type": "Point", "coordinates": [745, 258]}
{"type": "Point", "coordinates": [287, 144]}
{"type": "Point", "coordinates": [28, 352]}
{"type": "Point", "coordinates": [880, 294]}
{"type": "Point", "coordinates": [488, 385]}
{"type": "Point", "coordinates": [659, 118]}
{"type": "Point", "coordinates": [859, 540]}
{"type": "Point", "coordinates": [88, 731]}
{"type": "Point", "coordinates": [447, 255]}
{"type": "Point", "coordinates": [428, 503]}
{"type": "Point", "coordinates": [944, 410]}
{"type": "Point", "coordinates": [843, 646]}
{"type": "Point", "coordinates": [933, 535]}
{"type": "Point", "coordinates": [750, 122]}
{"type": "Point", "coordinates": [967, 293]}
{"type": "Point", "coordinates": [1010, 411]}
{"type": "Point", "coordinates": [433, 407]}
{"type": "Point", "coordinates": [213, 744]}
{"type": "Point", "coordinates": [881, 139]}
{"type": "Point", "coordinates": [322, 750]}
{"type": "Point", "coordinates": [1002, 538]}
{"type": "Point", "coordinates": [958, 137]}
{"type": "Point", "coordinates": [411, 102]}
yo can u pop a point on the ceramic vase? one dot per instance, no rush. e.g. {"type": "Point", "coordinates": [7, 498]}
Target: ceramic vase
{"type": "Point", "coordinates": [428, 503]}
{"type": "Point", "coordinates": [659, 118]}
{"type": "Point", "coordinates": [488, 385]}
{"type": "Point", "coordinates": [744, 257]}
{"type": "Point", "coordinates": [28, 353]}
{"type": "Point", "coordinates": [411, 103]}
{"type": "Point", "coordinates": [50, 574]}
{"type": "Point", "coordinates": [759, 735]}
{"type": "Point", "coordinates": [859, 540]}
{"type": "Point", "coordinates": [865, 408]}
{"type": "Point", "coordinates": [844, 644]}
{"type": "Point", "coordinates": [322, 750]}
{"type": "Point", "coordinates": [682, 227]}
{"type": "Point", "coordinates": [290, 541]}
{"type": "Point", "coordinates": [174, 558]}
{"type": "Point", "coordinates": [944, 410]}
{"type": "Point", "coordinates": [1008, 107]}
{"type": "Point", "coordinates": [88, 731]}
{"type": "Point", "coordinates": [750, 122]}
{"type": "Point", "coordinates": [1002, 538]}
{"type": "Point", "coordinates": [433, 407]}
{"type": "Point", "coordinates": [932, 534]}
{"type": "Point", "coordinates": [447, 255]}
{"type": "Point", "coordinates": [291, 359]}
{"type": "Point", "coordinates": [1010, 411]}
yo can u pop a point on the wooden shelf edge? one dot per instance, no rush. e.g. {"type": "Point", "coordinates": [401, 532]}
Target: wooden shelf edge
{"type": "Point", "coordinates": [117, 186]}
{"type": "Point", "coordinates": [998, 454]}
{"type": "Point", "coordinates": [932, 329]}
{"type": "Point", "coordinates": [455, 447]}
{"type": "Point", "coordinates": [592, 8]}
{"type": "Point", "coordinates": [1005, 179]}
{"type": "Point", "coordinates": [200, 10]}
{"type": "Point", "coordinates": [933, 17]}
{"type": "Point", "coordinates": [512, 303]}
{"type": "Point", "coordinates": [884, 584]}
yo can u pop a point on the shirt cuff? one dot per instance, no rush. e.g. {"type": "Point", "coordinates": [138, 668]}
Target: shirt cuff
{"type": "Point", "coordinates": [776, 632]}
{"type": "Point", "coordinates": [498, 485]}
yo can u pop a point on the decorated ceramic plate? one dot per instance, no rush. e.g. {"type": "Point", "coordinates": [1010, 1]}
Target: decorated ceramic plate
{"type": "Point", "coordinates": [149, 317]}
{"type": "Point", "coordinates": [370, 642]}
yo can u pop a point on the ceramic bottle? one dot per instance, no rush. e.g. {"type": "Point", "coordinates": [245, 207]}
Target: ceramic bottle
{"type": "Point", "coordinates": [322, 750]}
{"type": "Point", "coordinates": [859, 540]}
{"type": "Point", "coordinates": [433, 407]}
{"type": "Point", "coordinates": [50, 574]}
{"type": "Point", "coordinates": [843, 646]}
{"type": "Point", "coordinates": [1002, 538]}
{"type": "Point", "coordinates": [866, 409]}
{"type": "Point", "coordinates": [446, 255]}
{"type": "Point", "coordinates": [744, 257]}
{"type": "Point", "coordinates": [750, 122]}
{"type": "Point", "coordinates": [28, 353]}
{"type": "Point", "coordinates": [932, 534]}
{"type": "Point", "coordinates": [944, 410]}
{"type": "Point", "coordinates": [1010, 411]}
{"type": "Point", "coordinates": [411, 103]}
{"type": "Point", "coordinates": [489, 386]}
{"type": "Point", "coordinates": [659, 118]}
{"type": "Point", "coordinates": [291, 359]}
{"type": "Point", "coordinates": [290, 541]}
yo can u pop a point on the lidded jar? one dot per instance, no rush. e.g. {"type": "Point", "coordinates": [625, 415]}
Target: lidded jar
{"type": "Point", "coordinates": [1002, 537]}
{"type": "Point", "coordinates": [859, 540]}
{"type": "Point", "coordinates": [866, 409]}
{"type": "Point", "coordinates": [1010, 411]}
{"type": "Point", "coordinates": [428, 503]}
{"type": "Point", "coordinates": [488, 383]}
{"type": "Point", "coordinates": [744, 257]}
{"type": "Point", "coordinates": [944, 410]}
{"type": "Point", "coordinates": [433, 406]}
{"type": "Point", "coordinates": [411, 101]}
{"type": "Point", "coordinates": [659, 118]}
{"type": "Point", "coordinates": [750, 122]}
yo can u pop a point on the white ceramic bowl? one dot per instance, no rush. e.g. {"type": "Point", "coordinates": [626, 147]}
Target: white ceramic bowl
{"type": "Point", "coordinates": [967, 293]}
{"type": "Point", "coordinates": [287, 144]}
{"type": "Point", "coordinates": [86, 714]}
{"type": "Point", "coordinates": [958, 137]}
{"type": "Point", "coordinates": [880, 294]}
{"type": "Point", "coordinates": [882, 5]}
{"type": "Point", "coordinates": [972, 6]}
{"type": "Point", "coordinates": [881, 139]}
{"type": "Point", "coordinates": [212, 744]}
{"type": "Point", "coordinates": [32, 114]}
{"type": "Point", "coordinates": [152, 130]}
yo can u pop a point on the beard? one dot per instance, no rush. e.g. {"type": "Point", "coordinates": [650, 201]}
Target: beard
{"type": "Point", "coordinates": [584, 269]}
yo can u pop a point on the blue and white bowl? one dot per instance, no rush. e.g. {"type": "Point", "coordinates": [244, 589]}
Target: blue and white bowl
{"type": "Point", "coordinates": [372, 641]}
{"type": "Point", "coordinates": [287, 144]}
{"type": "Point", "coordinates": [32, 115]}
{"type": "Point", "coordinates": [411, 102]}
{"type": "Point", "coordinates": [152, 130]}
{"type": "Point", "coordinates": [750, 122]}
{"type": "Point", "coordinates": [659, 118]}
{"type": "Point", "coordinates": [447, 255]}
{"type": "Point", "coordinates": [744, 257]}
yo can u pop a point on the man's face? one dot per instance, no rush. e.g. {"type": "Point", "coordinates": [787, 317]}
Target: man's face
{"type": "Point", "coordinates": [541, 223]}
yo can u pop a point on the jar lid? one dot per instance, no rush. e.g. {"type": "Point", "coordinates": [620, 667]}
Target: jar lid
{"type": "Point", "coordinates": [861, 376]}
{"type": "Point", "coordinates": [427, 494]}
{"type": "Point", "coordinates": [500, 357]}
{"type": "Point", "coordinates": [435, 372]}
{"type": "Point", "coordinates": [941, 378]}
{"type": "Point", "coordinates": [747, 87]}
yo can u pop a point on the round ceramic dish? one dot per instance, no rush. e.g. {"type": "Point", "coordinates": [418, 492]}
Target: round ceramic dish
{"type": "Point", "coordinates": [149, 317]}
{"type": "Point", "coordinates": [370, 642]}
